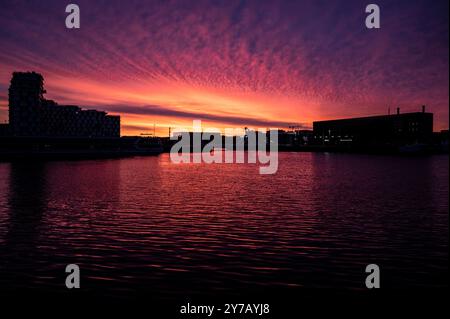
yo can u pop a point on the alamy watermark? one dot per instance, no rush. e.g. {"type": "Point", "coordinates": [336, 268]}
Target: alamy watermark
{"type": "Point", "coordinates": [373, 279]}
{"type": "Point", "coordinates": [73, 279]}
{"type": "Point", "coordinates": [373, 19]}
{"type": "Point", "coordinates": [208, 145]}
{"type": "Point", "coordinates": [73, 19]}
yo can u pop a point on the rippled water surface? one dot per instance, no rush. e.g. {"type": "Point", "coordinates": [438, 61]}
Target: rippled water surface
{"type": "Point", "coordinates": [145, 223]}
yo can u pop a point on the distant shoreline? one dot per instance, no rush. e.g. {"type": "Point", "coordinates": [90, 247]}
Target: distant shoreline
{"type": "Point", "coordinates": [7, 156]}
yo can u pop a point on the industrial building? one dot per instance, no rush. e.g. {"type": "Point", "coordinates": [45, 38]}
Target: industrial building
{"type": "Point", "coordinates": [376, 131]}
{"type": "Point", "coordinates": [31, 115]}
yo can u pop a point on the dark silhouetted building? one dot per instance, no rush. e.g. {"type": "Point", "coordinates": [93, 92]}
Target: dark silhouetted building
{"type": "Point", "coordinates": [31, 115]}
{"type": "Point", "coordinates": [386, 130]}
{"type": "Point", "coordinates": [4, 130]}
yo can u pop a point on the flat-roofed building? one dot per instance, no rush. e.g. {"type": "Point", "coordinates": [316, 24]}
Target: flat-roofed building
{"type": "Point", "coordinates": [31, 115]}
{"type": "Point", "coordinates": [396, 129]}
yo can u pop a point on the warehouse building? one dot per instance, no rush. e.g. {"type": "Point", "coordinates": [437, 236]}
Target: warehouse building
{"type": "Point", "coordinates": [397, 129]}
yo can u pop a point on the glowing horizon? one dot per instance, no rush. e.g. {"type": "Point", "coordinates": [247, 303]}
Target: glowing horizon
{"type": "Point", "coordinates": [233, 64]}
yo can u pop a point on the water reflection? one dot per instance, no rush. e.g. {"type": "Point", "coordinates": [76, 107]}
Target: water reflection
{"type": "Point", "coordinates": [145, 223]}
{"type": "Point", "coordinates": [26, 210]}
{"type": "Point", "coordinates": [384, 206]}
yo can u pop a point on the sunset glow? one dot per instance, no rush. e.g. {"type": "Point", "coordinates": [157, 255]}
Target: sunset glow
{"type": "Point", "coordinates": [231, 65]}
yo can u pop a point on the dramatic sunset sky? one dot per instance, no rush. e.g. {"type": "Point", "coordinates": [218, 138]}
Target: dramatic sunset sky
{"type": "Point", "coordinates": [231, 63]}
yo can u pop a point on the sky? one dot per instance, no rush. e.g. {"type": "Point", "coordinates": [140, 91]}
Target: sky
{"type": "Point", "coordinates": [231, 63]}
